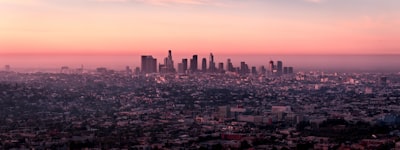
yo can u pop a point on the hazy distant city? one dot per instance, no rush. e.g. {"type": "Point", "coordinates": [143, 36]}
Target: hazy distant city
{"type": "Point", "coordinates": [326, 63]}
{"type": "Point", "coordinates": [198, 103]}
{"type": "Point", "coordinates": [199, 75]}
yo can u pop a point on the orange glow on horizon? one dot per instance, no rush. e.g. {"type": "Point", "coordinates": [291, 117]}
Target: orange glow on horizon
{"type": "Point", "coordinates": [115, 28]}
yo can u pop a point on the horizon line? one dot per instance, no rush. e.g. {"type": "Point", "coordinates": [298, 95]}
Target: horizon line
{"type": "Point", "coordinates": [202, 53]}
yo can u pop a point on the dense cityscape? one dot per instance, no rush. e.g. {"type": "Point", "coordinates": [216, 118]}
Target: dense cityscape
{"type": "Point", "coordinates": [224, 107]}
{"type": "Point", "coordinates": [149, 65]}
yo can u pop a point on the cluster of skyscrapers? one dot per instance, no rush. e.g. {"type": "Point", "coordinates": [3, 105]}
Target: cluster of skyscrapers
{"type": "Point", "coordinates": [279, 69]}
{"type": "Point", "coordinates": [149, 65]}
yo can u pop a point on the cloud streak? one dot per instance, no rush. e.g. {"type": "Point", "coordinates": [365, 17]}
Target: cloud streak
{"type": "Point", "coordinates": [313, 1]}
{"type": "Point", "coordinates": [166, 2]}
{"type": "Point", "coordinates": [19, 2]}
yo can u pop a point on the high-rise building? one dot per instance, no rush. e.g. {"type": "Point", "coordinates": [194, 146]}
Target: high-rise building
{"type": "Point", "coordinates": [180, 68]}
{"type": "Point", "coordinates": [194, 64]}
{"type": "Point", "coordinates": [149, 64]}
{"type": "Point", "coordinates": [290, 70]}
{"type": "Point", "coordinates": [229, 66]}
{"type": "Point", "coordinates": [254, 70]}
{"type": "Point", "coordinates": [162, 68]}
{"type": "Point", "coordinates": [279, 67]}
{"type": "Point", "coordinates": [263, 70]}
{"type": "Point", "coordinates": [221, 67]}
{"type": "Point", "coordinates": [285, 70]}
{"type": "Point", "coordinates": [7, 68]}
{"type": "Point", "coordinates": [271, 67]}
{"type": "Point", "coordinates": [244, 68]}
{"type": "Point", "coordinates": [212, 63]}
{"type": "Point", "coordinates": [128, 70]}
{"type": "Point", "coordinates": [185, 65]}
{"type": "Point", "coordinates": [168, 66]}
{"type": "Point", "coordinates": [204, 65]}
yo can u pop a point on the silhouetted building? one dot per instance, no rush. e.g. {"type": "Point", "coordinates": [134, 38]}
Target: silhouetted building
{"type": "Point", "coordinates": [271, 67]}
{"type": "Point", "coordinates": [65, 69]}
{"type": "Point", "coordinates": [180, 68]}
{"type": "Point", "coordinates": [244, 68]}
{"type": "Point", "coordinates": [254, 70]}
{"type": "Point", "coordinates": [285, 70]}
{"type": "Point", "coordinates": [204, 65]}
{"type": "Point", "coordinates": [7, 68]}
{"type": "Point", "coordinates": [185, 65]}
{"type": "Point", "coordinates": [221, 67]}
{"type": "Point", "coordinates": [263, 70]}
{"type": "Point", "coordinates": [212, 63]}
{"type": "Point", "coordinates": [237, 70]}
{"type": "Point", "coordinates": [290, 70]}
{"type": "Point", "coordinates": [128, 70]}
{"type": "Point", "coordinates": [149, 64]}
{"type": "Point", "coordinates": [102, 70]}
{"type": "Point", "coordinates": [137, 70]}
{"type": "Point", "coordinates": [194, 64]}
{"type": "Point", "coordinates": [162, 68]}
{"type": "Point", "coordinates": [168, 66]}
{"type": "Point", "coordinates": [279, 67]}
{"type": "Point", "coordinates": [229, 66]}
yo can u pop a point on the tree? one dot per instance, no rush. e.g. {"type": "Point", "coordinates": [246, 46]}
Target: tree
{"type": "Point", "coordinates": [244, 145]}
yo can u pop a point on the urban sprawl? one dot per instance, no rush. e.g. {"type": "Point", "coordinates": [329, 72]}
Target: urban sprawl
{"type": "Point", "coordinates": [217, 106]}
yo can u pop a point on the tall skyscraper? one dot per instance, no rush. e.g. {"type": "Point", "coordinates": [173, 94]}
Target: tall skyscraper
{"type": "Point", "coordinates": [149, 64]}
{"type": "Point", "coordinates": [244, 68]}
{"type": "Point", "coordinates": [279, 67]}
{"type": "Point", "coordinates": [221, 67]}
{"type": "Point", "coordinates": [271, 67]}
{"type": "Point", "coordinates": [229, 66]}
{"type": "Point", "coordinates": [168, 66]}
{"type": "Point", "coordinates": [194, 64]}
{"type": "Point", "coordinates": [185, 65]}
{"type": "Point", "coordinates": [204, 65]}
{"type": "Point", "coordinates": [212, 63]}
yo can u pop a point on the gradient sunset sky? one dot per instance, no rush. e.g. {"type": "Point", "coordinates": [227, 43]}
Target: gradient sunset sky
{"type": "Point", "coordinates": [278, 27]}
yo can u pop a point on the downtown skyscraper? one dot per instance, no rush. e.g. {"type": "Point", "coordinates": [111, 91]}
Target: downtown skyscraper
{"type": "Point", "coordinates": [194, 64]}
{"type": "Point", "coordinates": [212, 67]}
{"type": "Point", "coordinates": [168, 66]}
{"type": "Point", "coordinates": [149, 64]}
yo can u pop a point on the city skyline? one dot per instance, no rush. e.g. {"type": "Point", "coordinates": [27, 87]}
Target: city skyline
{"type": "Point", "coordinates": [149, 65]}
{"type": "Point", "coordinates": [340, 63]}
{"type": "Point", "coordinates": [200, 74]}
{"type": "Point", "coordinates": [226, 27]}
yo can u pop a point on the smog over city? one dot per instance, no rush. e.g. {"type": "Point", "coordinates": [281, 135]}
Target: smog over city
{"type": "Point", "coordinates": [200, 74]}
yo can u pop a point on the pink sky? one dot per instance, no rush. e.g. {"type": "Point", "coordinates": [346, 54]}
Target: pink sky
{"type": "Point", "coordinates": [226, 27]}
